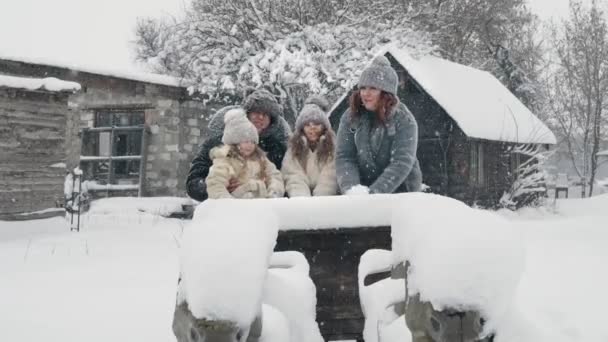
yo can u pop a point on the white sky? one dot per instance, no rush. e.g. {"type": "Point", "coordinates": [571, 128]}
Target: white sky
{"type": "Point", "coordinates": [82, 32]}
{"type": "Point", "coordinates": [547, 9]}
{"type": "Point", "coordinates": [97, 32]}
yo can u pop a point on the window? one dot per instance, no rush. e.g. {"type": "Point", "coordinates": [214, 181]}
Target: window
{"type": "Point", "coordinates": [476, 173]}
{"type": "Point", "coordinates": [112, 150]}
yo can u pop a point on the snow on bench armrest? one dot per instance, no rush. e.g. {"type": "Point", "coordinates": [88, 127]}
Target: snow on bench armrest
{"type": "Point", "coordinates": [475, 251]}
{"type": "Point", "coordinates": [224, 259]}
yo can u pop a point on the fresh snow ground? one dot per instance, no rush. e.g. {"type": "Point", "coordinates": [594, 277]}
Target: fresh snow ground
{"type": "Point", "coordinates": [116, 279]}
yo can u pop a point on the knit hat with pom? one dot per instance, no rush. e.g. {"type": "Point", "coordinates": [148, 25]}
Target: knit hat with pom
{"type": "Point", "coordinates": [314, 110]}
{"type": "Point", "coordinates": [238, 128]}
{"type": "Point", "coordinates": [380, 75]}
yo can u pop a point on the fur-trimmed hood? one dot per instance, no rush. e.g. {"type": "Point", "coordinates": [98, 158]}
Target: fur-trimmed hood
{"type": "Point", "coordinates": [219, 152]}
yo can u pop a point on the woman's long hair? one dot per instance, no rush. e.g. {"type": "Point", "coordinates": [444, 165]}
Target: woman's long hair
{"type": "Point", "coordinates": [385, 105]}
{"type": "Point", "coordinates": [325, 146]}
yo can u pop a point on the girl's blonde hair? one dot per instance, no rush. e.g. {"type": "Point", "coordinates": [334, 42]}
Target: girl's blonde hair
{"type": "Point", "coordinates": [259, 155]}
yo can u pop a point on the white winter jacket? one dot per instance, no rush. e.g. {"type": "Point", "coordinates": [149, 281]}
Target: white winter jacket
{"type": "Point", "coordinates": [247, 172]}
{"type": "Point", "coordinates": [316, 180]}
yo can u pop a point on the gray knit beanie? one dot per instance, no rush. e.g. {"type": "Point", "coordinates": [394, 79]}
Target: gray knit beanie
{"type": "Point", "coordinates": [238, 128]}
{"type": "Point", "coordinates": [263, 101]}
{"type": "Point", "coordinates": [314, 110]}
{"type": "Point", "coordinates": [380, 75]}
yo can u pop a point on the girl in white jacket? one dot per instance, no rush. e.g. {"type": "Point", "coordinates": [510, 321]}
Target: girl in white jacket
{"type": "Point", "coordinates": [308, 166]}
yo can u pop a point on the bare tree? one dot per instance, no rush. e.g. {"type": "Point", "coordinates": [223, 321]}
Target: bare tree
{"type": "Point", "coordinates": [580, 86]}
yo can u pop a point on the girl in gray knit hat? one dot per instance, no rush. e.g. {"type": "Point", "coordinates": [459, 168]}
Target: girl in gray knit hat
{"type": "Point", "coordinates": [377, 137]}
{"type": "Point", "coordinates": [242, 159]}
{"type": "Point", "coordinates": [309, 165]}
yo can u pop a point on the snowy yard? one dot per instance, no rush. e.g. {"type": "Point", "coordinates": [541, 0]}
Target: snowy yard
{"type": "Point", "coordinates": [116, 279]}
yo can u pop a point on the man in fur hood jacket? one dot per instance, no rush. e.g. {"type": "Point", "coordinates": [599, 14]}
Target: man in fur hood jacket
{"type": "Point", "coordinates": [266, 114]}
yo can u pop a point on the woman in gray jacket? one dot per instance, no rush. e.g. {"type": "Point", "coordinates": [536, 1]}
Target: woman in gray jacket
{"type": "Point", "coordinates": [377, 137]}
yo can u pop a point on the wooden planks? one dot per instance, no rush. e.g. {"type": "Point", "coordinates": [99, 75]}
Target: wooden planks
{"type": "Point", "coordinates": [333, 255]}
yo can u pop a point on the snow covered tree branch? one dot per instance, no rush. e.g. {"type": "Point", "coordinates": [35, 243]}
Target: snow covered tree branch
{"type": "Point", "coordinates": [529, 179]}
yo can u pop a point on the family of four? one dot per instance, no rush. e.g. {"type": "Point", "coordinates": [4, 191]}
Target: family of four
{"type": "Point", "coordinates": [253, 154]}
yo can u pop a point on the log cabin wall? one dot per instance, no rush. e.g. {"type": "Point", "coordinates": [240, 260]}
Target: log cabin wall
{"type": "Point", "coordinates": [33, 127]}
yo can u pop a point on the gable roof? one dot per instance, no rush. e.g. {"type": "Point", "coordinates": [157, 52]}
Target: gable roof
{"type": "Point", "coordinates": [481, 106]}
{"type": "Point", "coordinates": [49, 84]}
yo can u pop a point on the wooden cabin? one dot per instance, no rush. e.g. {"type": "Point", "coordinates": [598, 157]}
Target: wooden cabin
{"type": "Point", "coordinates": [468, 122]}
{"type": "Point", "coordinates": [134, 133]}
{"type": "Point", "coordinates": [34, 137]}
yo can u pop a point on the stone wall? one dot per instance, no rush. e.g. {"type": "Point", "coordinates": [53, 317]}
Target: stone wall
{"type": "Point", "coordinates": [172, 129]}
{"type": "Point", "coordinates": [33, 136]}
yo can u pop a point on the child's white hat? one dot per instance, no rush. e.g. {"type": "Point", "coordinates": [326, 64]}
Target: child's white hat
{"type": "Point", "coordinates": [238, 128]}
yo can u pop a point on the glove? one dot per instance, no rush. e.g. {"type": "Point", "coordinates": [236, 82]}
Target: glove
{"type": "Point", "coordinates": [357, 190]}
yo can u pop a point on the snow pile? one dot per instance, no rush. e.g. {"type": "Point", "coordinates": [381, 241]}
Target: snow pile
{"type": "Point", "coordinates": [292, 260]}
{"type": "Point", "coordinates": [48, 84]}
{"type": "Point", "coordinates": [592, 206]}
{"type": "Point", "coordinates": [561, 296]}
{"type": "Point", "coordinates": [358, 190]}
{"type": "Point", "coordinates": [484, 108]}
{"type": "Point", "coordinates": [275, 326]}
{"type": "Point", "coordinates": [224, 260]}
{"type": "Point", "coordinates": [93, 185]}
{"type": "Point", "coordinates": [72, 184]}
{"type": "Point", "coordinates": [59, 285]}
{"type": "Point", "coordinates": [289, 289]}
{"type": "Point", "coordinates": [158, 206]}
{"type": "Point", "coordinates": [476, 252]}
{"type": "Point", "coordinates": [377, 299]}
{"type": "Point", "coordinates": [329, 212]}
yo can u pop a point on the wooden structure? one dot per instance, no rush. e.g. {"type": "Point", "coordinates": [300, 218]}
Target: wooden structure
{"type": "Point", "coordinates": [561, 184]}
{"type": "Point", "coordinates": [333, 255]}
{"type": "Point", "coordinates": [133, 133]}
{"type": "Point", "coordinates": [34, 115]}
{"type": "Point", "coordinates": [464, 139]}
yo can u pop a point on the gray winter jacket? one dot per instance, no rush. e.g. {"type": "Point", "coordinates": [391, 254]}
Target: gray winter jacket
{"type": "Point", "coordinates": [385, 162]}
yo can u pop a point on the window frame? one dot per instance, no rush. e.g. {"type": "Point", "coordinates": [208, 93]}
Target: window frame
{"type": "Point", "coordinates": [113, 128]}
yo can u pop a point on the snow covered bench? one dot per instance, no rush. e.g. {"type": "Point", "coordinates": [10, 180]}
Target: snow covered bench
{"type": "Point", "coordinates": [233, 287]}
{"type": "Point", "coordinates": [462, 259]}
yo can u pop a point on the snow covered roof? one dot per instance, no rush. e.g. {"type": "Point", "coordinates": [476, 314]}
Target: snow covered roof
{"type": "Point", "coordinates": [481, 106]}
{"type": "Point", "coordinates": [603, 153]}
{"type": "Point", "coordinates": [129, 74]}
{"type": "Point", "coordinates": [48, 84]}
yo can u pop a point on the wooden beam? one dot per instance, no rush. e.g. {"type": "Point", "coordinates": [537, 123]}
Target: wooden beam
{"type": "Point", "coordinates": [117, 107]}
